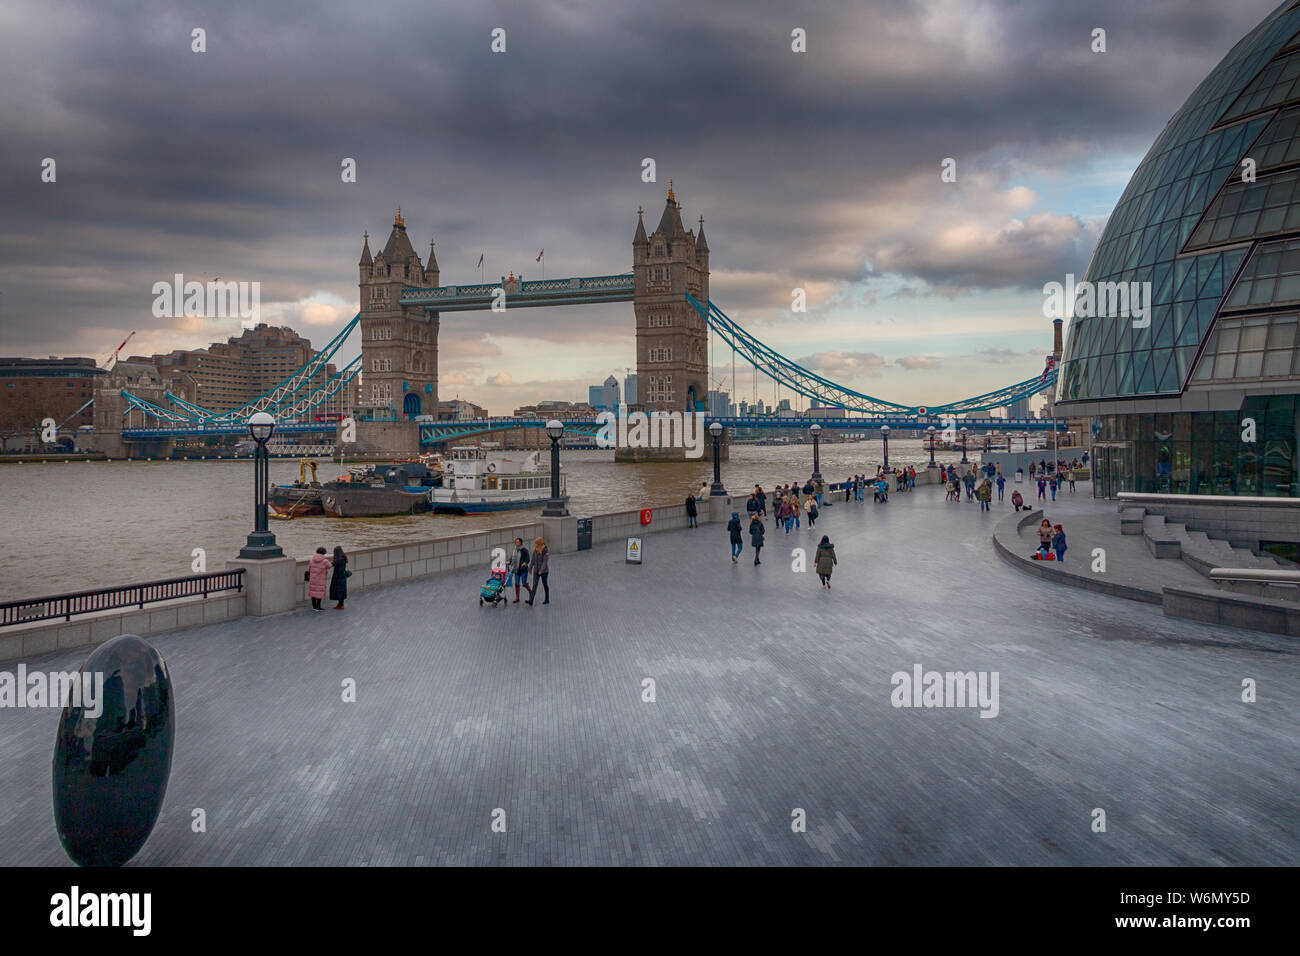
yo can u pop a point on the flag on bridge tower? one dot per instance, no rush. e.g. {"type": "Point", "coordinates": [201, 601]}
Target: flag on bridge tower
{"type": "Point", "coordinates": [480, 260]}
{"type": "Point", "coordinates": [540, 254]}
{"type": "Point", "coordinates": [540, 257]}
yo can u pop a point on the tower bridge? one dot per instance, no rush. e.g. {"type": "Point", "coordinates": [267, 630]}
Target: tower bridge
{"type": "Point", "coordinates": [401, 307]}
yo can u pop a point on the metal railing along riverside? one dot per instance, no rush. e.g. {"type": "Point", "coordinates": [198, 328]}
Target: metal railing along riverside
{"type": "Point", "coordinates": [129, 595]}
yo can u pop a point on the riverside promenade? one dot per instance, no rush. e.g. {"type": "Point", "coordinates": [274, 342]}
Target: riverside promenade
{"type": "Point", "coordinates": [771, 695]}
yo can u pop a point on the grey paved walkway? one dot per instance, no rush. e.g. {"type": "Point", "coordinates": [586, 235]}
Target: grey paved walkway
{"type": "Point", "coordinates": [772, 695]}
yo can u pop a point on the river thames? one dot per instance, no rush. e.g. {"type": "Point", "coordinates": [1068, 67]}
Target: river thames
{"type": "Point", "coordinates": [73, 526]}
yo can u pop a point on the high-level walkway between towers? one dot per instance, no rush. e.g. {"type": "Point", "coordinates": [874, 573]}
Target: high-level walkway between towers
{"type": "Point", "coordinates": [771, 695]}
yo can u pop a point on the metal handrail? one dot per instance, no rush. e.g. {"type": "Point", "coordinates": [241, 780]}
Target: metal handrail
{"type": "Point", "coordinates": [128, 595]}
{"type": "Point", "coordinates": [1159, 497]}
{"type": "Point", "coordinates": [1256, 575]}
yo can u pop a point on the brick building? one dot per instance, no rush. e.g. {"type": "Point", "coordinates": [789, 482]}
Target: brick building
{"type": "Point", "coordinates": [229, 374]}
{"type": "Point", "coordinates": [32, 390]}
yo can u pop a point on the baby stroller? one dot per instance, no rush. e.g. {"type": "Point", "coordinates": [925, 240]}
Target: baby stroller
{"type": "Point", "coordinates": [493, 588]}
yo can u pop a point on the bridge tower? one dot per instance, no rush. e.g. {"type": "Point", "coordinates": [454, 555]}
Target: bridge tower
{"type": "Point", "coordinates": [672, 341]}
{"type": "Point", "coordinates": [399, 344]}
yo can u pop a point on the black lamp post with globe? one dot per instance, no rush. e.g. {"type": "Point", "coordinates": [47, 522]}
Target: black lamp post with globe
{"type": "Point", "coordinates": [884, 435]}
{"type": "Point", "coordinates": [555, 508]}
{"type": "Point", "coordinates": [817, 462]}
{"type": "Point", "coordinates": [717, 491]}
{"type": "Point", "coordinates": [261, 542]}
{"type": "Point", "coordinates": [963, 445]}
{"type": "Point", "coordinates": [929, 433]}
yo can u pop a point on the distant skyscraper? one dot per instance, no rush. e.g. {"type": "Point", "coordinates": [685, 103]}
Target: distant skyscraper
{"type": "Point", "coordinates": [629, 390]}
{"type": "Point", "coordinates": [719, 404]}
{"type": "Point", "coordinates": [604, 397]}
{"type": "Point", "coordinates": [784, 405]}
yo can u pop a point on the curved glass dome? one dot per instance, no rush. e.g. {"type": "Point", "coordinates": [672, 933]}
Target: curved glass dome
{"type": "Point", "coordinates": [1208, 242]}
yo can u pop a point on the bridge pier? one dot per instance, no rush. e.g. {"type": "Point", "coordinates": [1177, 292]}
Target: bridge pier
{"type": "Point", "coordinates": [395, 439]}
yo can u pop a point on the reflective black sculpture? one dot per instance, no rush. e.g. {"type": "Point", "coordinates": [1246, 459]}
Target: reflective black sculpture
{"type": "Point", "coordinates": [113, 754]}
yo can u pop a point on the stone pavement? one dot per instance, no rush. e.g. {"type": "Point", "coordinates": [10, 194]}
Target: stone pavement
{"type": "Point", "coordinates": [772, 695]}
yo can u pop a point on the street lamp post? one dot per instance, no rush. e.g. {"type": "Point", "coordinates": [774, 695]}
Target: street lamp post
{"type": "Point", "coordinates": [817, 462]}
{"type": "Point", "coordinates": [717, 491]}
{"type": "Point", "coordinates": [1025, 436]}
{"type": "Point", "coordinates": [929, 433]}
{"type": "Point", "coordinates": [884, 434]}
{"type": "Point", "coordinates": [963, 444]}
{"type": "Point", "coordinates": [261, 542]}
{"type": "Point", "coordinates": [555, 508]}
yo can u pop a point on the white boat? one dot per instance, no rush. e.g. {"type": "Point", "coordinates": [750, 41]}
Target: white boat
{"type": "Point", "coordinates": [477, 479]}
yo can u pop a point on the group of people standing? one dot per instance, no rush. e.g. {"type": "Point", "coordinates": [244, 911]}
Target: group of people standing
{"type": "Point", "coordinates": [319, 578]}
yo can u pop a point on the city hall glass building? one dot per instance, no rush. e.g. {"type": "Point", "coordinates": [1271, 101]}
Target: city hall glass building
{"type": "Point", "coordinates": [1169, 403]}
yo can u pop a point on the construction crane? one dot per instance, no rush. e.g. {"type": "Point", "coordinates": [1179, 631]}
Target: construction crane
{"type": "Point", "coordinates": [112, 357]}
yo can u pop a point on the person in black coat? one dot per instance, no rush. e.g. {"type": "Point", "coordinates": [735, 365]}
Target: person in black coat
{"type": "Point", "coordinates": [737, 542]}
{"type": "Point", "coordinates": [691, 513]}
{"type": "Point", "coordinates": [756, 533]}
{"type": "Point", "coordinates": [752, 504]}
{"type": "Point", "coordinates": [519, 568]}
{"type": "Point", "coordinates": [339, 581]}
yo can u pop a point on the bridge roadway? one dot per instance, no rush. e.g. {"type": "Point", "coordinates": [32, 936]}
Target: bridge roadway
{"type": "Point", "coordinates": [771, 695]}
{"type": "Point", "coordinates": [440, 431]}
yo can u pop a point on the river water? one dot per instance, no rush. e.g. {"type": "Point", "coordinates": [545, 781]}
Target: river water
{"type": "Point", "coordinates": [72, 526]}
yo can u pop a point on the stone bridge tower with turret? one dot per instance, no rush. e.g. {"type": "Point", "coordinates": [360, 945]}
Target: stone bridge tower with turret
{"type": "Point", "coordinates": [399, 345]}
{"type": "Point", "coordinates": [672, 340]}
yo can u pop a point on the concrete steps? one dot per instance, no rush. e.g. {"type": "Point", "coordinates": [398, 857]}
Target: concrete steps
{"type": "Point", "coordinates": [1202, 553]}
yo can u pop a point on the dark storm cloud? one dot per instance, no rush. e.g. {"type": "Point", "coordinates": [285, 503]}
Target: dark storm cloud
{"type": "Point", "coordinates": [805, 166]}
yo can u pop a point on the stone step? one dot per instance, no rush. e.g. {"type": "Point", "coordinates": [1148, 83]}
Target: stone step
{"type": "Point", "coordinates": [1162, 540]}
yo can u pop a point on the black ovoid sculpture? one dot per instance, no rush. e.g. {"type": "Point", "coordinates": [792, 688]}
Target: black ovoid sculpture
{"type": "Point", "coordinates": [111, 770]}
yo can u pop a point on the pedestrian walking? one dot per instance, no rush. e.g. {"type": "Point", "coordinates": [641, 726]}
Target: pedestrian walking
{"type": "Point", "coordinates": [1052, 484]}
{"type": "Point", "coordinates": [1069, 476]}
{"type": "Point", "coordinates": [1001, 483]}
{"type": "Point", "coordinates": [756, 533]}
{"type": "Point", "coordinates": [825, 561]}
{"type": "Point", "coordinates": [541, 571]}
{"type": "Point", "coordinates": [848, 488]}
{"type": "Point", "coordinates": [339, 581]}
{"type": "Point", "coordinates": [1058, 542]}
{"type": "Point", "coordinates": [317, 578]}
{"type": "Point", "coordinates": [985, 495]}
{"type": "Point", "coordinates": [519, 569]}
{"type": "Point", "coordinates": [737, 543]}
{"type": "Point", "coordinates": [762, 501]}
{"type": "Point", "coordinates": [811, 504]}
{"type": "Point", "coordinates": [691, 513]}
{"type": "Point", "coordinates": [1042, 488]}
{"type": "Point", "coordinates": [796, 506]}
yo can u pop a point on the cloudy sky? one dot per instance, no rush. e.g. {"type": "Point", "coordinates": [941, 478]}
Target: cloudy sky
{"type": "Point", "coordinates": [818, 170]}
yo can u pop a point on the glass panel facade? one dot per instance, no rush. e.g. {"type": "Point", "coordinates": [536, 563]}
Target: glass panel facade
{"type": "Point", "coordinates": [1202, 452]}
{"type": "Point", "coordinates": [1237, 211]}
{"type": "Point", "coordinates": [1277, 83]}
{"type": "Point", "coordinates": [1280, 143]}
{"type": "Point", "coordinates": [1156, 233]}
{"type": "Point", "coordinates": [1251, 348]}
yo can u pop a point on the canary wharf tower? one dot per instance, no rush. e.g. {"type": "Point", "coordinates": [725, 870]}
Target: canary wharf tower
{"type": "Point", "coordinates": [1204, 399]}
